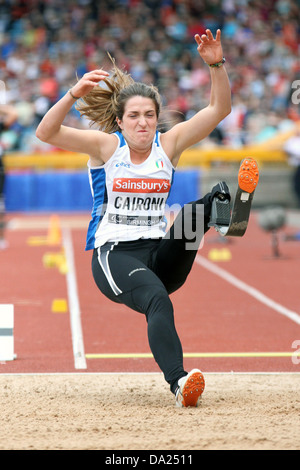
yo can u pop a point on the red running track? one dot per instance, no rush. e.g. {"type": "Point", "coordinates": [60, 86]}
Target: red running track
{"type": "Point", "coordinates": [218, 318]}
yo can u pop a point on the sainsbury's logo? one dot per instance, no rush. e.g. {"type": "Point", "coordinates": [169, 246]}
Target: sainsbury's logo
{"type": "Point", "coordinates": [141, 185]}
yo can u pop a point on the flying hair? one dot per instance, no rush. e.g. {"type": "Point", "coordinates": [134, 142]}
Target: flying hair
{"type": "Point", "coordinates": [107, 101]}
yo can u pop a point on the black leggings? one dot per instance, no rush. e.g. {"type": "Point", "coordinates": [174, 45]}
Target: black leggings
{"type": "Point", "coordinates": [141, 274]}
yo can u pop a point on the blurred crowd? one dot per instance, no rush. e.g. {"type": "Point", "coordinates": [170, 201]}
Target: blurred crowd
{"type": "Point", "coordinates": [46, 45]}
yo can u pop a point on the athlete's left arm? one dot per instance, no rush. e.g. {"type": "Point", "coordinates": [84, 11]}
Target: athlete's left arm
{"type": "Point", "coordinates": [188, 133]}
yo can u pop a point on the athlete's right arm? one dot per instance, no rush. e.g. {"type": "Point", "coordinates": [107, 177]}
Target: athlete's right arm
{"type": "Point", "coordinates": [99, 145]}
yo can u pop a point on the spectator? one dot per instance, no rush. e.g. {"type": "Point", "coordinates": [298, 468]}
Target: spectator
{"type": "Point", "coordinates": [41, 44]}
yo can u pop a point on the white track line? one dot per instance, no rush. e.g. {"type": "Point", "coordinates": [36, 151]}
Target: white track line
{"type": "Point", "coordinates": [247, 288]}
{"type": "Point", "coordinates": [74, 307]}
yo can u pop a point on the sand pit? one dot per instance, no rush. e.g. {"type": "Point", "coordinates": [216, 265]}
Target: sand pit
{"type": "Point", "coordinates": [137, 412]}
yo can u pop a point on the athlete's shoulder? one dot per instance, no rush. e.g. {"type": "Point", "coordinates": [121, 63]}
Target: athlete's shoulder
{"type": "Point", "coordinates": [162, 147]}
{"type": "Point", "coordinates": [121, 139]}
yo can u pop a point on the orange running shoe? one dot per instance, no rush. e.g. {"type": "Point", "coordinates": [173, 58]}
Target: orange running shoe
{"type": "Point", "coordinates": [190, 389]}
{"type": "Point", "coordinates": [248, 175]}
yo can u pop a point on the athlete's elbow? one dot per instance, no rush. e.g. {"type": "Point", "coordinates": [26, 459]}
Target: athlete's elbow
{"type": "Point", "coordinates": [228, 110]}
{"type": "Point", "coordinates": [224, 111]}
{"type": "Point", "coordinates": [221, 110]}
{"type": "Point", "coordinates": [42, 133]}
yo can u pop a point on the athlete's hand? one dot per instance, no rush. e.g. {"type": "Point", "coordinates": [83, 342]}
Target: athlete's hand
{"type": "Point", "coordinates": [88, 82]}
{"type": "Point", "coordinates": [210, 49]}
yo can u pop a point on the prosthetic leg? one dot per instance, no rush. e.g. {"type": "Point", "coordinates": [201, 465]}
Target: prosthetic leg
{"type": "Point", "coordinates": [233, 222]}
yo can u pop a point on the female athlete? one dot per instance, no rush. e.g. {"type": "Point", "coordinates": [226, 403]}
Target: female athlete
{"type": "Point", "coordinates": [135, 262]}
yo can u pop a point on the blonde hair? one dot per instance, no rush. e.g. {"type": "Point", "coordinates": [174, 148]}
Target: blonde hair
{"type": "Point", "coordinates": [103, 104]}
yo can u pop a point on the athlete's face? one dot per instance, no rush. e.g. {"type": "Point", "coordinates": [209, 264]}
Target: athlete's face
{"type": "Point", "coordinates": [139, 122]}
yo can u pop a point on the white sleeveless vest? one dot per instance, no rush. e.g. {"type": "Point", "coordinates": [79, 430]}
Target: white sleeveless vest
{"type": "Point", "coordinates": [129, 200]}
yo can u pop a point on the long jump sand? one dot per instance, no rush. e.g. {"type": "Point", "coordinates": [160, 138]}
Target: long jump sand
{"type": "Point", "coordinates": [137, 412]}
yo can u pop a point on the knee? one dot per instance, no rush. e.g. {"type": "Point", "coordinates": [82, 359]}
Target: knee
{"type": "Point", "coordinates": [156, 301]}
{"type": "Point", "coordinates": [174, 285]}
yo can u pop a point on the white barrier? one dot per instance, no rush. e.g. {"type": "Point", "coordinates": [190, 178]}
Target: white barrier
{"type": "Point", "coordinates": [7, 332]}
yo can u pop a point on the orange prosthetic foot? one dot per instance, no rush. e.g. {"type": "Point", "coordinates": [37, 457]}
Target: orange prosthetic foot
{"type": "Point", "coordinates": [248, 175]}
